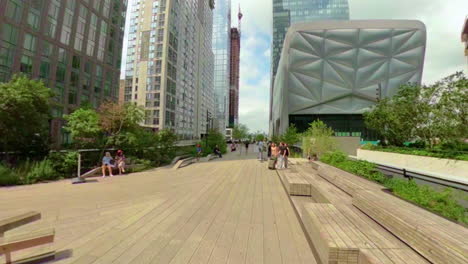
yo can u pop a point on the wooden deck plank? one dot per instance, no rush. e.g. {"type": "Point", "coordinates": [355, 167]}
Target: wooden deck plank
{"type": "Point", "coordinates": [225, 211]}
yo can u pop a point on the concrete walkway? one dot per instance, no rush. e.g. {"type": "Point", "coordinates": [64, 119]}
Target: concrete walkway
{"type": "Point", "coordinates": [230, 210]}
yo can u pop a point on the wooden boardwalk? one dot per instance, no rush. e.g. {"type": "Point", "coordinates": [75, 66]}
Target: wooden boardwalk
{"type": "Point", "coordinates": [231, 210]}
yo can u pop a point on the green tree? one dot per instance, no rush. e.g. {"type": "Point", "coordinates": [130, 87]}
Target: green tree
{"type": "Point", "coordinates": [83, 123]}
{"type": "Point", "coordinates": [432, 114]}
{"type": "Point", "coordinates": [291, 136]}
{"type": "Point", "coordinates": [24, 113]}
{"type": "Point", "coordinates": [318, 139]}
{"type": "Point", "coordinates": [240, 132]}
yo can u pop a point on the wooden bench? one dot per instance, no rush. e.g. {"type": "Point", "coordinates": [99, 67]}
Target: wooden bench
{"type": "Point", "coordinates": [177, 158]}
{"type": "Point", "coordinates": [332, 235]}
{"type": "Point", "coordinates": [346, 181]}
{"type": "Point", "coordinates": [435, 238]}
{"type": "Point", "coordinates": [294, 183]}
{"type": "Point", "coordinates": [19, 220]}
{"type": "Point", "coordinates": [17, 242]}
{"type": "Point", "coordinates": [211, 157]}
{"type": "Point", "coordinates": [184, 162]}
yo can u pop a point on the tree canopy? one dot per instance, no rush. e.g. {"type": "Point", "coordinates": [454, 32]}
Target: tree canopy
{"type": "Point", "coordinates": [434, 113]}
{"type": "Point", "coordinates": [240, 132]}
{"type": "Point", "coordinates": [24, 114]}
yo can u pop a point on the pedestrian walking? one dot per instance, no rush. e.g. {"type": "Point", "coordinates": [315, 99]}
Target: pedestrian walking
{"type": "Point", "coordinates": [199, 152]}
{"type": "Point", "coordinates": [286, 156]}
{"type": "Point", "coordinates": [247, 147]}
{"type": "Point", "coordinates": [281, 151]}
{"type": "Point", "coordinates": [269, 149]}
{"type": "Point", "coordinates": [260, 150]}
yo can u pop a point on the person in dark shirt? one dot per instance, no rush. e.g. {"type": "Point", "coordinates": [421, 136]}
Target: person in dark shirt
{"type": "Point", "coordinates": [217, 151]}
{"type": "Point", "coordinates": [286, 155]}
{"type": "Point", "coordinates": [282, 150]}
{"type": "Point", "coordinates": [269, 150]}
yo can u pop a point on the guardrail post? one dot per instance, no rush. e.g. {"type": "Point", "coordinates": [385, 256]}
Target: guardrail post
{"type": "Point", "coordinates": [79, 165]}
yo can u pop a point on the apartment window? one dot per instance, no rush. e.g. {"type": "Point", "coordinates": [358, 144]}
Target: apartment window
{"type": "Point", "coordinates": [62, 56]}
{"type": "Point", "coordinates": [9, 33]}
{"type": "Point", "coordinates": [13, 10]}
{"type": "Point", "coordinates": [60, 74]}
{"type": "Point", "coordinates": [6, 56]}
{"type": "Point", "coordinates": [26, 64]}
{"type": "Point", "coordinates": [29, 42]}
{"type": "Point", "coordinates": [72, 97]}
{"type": "Point", "coordinates": [47, 49]}
{"type": "Point", "coordinates": [74, 79]}
{"type": "Point", "coordinates": [76, 62]}
{"type": "Point", "coordinates": [33, 19]}
{"type": "Point", "coordinates": [44, 70]}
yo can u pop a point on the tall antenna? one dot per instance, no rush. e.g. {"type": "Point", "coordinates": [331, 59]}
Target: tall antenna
{"type": "Point", "coordinates": [240, 19]}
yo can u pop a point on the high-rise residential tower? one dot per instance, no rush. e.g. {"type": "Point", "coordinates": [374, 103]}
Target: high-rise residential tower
{"type": "Point", "coordinates": [170, 63]}
{"type": "Point", "coordinates": [289, 12]}
{"type": "Point", "coordinates": [222, 53]}
{"type": "Point", "coordinates": [74, 46]}
{"type": "Point", "coordinates": [234, 78]}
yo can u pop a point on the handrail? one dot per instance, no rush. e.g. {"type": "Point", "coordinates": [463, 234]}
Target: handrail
{"type": "Point", "coordinates": [425, 176]}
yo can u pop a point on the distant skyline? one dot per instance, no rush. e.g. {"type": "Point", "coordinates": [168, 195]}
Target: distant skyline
{"type": "Point", "coordinates": [444, 54]}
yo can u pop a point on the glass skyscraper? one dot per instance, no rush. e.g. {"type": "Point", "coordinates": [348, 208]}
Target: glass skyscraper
{"type": "Point", "coordinates": [169, 69]}
{"type": "Point", "coordinates": [221, 50]}
{"type": "Point", "coordinates": [288, 12]}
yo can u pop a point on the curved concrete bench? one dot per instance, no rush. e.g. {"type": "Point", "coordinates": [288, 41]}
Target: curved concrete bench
{"type": "Point", "coordinates": [184, 162]}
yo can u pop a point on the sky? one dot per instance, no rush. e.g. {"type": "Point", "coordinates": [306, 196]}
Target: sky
{"type": "Point", "coordinates": [444, 54]}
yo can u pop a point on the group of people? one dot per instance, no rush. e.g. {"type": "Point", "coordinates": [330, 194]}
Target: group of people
{"type": "Point", "coordinates": [109, 163]}
{"type": "Point", "coordinates": [280, 153]}
{"type": "Point", "coordinates": [216, 151]}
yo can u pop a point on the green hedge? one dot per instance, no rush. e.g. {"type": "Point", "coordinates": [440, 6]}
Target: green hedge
{"type": "Point", "coordinates": [436, 153]}
{"type": "Point", "coordinates": [443, 203]}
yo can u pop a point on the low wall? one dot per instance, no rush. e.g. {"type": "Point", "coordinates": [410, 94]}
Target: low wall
{"type": "Point", "coordinates": [458, 168]}
{"type": "Point", "coordinates": [348, 145]}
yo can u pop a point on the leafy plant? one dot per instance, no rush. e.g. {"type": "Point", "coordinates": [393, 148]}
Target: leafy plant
{"type": "Point", "coordinates": [41, 171]}
{"type": "Point", "coordinates": [8, 177]}
{"type": "Point", "coordinates": [443, 203]}
{"type": "Point", "coordinates": [432, 114]}
{"type": "Point", "coordinates": [318, 139]}
{"type": "Point", "coordinates": [24, 113]}
{"type": "Point", "coordinates": [291, 136]}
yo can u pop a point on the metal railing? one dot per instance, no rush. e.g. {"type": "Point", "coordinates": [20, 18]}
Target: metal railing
{"type": "Point", "coordinates": [424, 176]}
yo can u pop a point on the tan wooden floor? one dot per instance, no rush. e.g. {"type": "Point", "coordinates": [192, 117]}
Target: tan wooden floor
{"type": "Point", "coordinates": [232, 210]}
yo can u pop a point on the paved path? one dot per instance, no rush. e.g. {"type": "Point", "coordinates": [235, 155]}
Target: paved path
{"type": "Point", "coordinates": [230, 210]}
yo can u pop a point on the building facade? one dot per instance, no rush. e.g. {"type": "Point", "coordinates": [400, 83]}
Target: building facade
{"type": "Point", "coordinates": [234, 78]}
{"type": "Point", "coordinates": [73, 46]}
{"type": "Point", "coordinates": [336, 70]}
{"type": "Point", "coordinates": [222, 54]}
{"type": "Point", "coordinates": [289, 12]}
{"type": "Point", "coordinates": [170, 64]}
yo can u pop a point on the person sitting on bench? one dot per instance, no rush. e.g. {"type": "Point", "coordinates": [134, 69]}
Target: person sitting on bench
{"type": "Point", "coordinates": [120, 161]}
{"type": "Point", "coordinates": [216, 151]}
{"type": "Point", "coordinates": [107, 163]}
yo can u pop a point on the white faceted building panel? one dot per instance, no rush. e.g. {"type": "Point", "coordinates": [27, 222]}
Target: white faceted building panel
{"type": "Point", "coordinates": [345, 67]}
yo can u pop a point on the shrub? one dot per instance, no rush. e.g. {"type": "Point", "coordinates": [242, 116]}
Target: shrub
{"type": "Point", "coordinates": [8, 177]}
{"type": "Point", "coordinates": [318, 140]}
{"type": "Point", "coordinates": [41, 171]}
{"type": "Point", "coordinates": [443, 203]}
{"type": "Point", "coordinates": [64, 164]}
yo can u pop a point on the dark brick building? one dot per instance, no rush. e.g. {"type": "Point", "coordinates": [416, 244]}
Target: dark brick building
{"type": "Point", "coordinates": [74, 46]}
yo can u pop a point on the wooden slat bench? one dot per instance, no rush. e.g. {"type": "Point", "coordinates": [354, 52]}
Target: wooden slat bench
{"type": "Point", "coordinates": [331, 235]}
{"type": "Point", "coordinates": [19, 220]}
{"type": "Point", "coordinates": [376, 245]}
{"type": "Point", "coordinates": [294, 183]}
{"type": "Point", "coordinates": [211, 157]}
{"type": "Point", "coordinates": [184, 162]}
{"type": "Point", "coordinates": [346, 181]}
{"type": "Point", "coordinates": [435, 238]}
